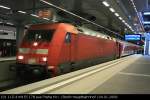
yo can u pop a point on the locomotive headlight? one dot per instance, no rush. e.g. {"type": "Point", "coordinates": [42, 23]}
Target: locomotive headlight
{"type": "Point", "coordinates": [20, 57]}
{"type": "Point", "coordinates": [44, 59]}
{"type": "Point", "coordinates": [35, 44]}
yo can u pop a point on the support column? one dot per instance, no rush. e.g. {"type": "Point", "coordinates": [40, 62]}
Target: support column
{"type": "Point", "coordinates": [19, 34]}
{"type": "Point", "coordinates": [147, 44]}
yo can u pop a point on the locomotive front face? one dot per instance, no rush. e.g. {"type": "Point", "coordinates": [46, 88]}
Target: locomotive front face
{"type": "Point", "coordinates": [35, 47]}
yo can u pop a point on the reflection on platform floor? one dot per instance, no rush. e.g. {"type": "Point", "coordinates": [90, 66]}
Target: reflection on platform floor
{"type": "Point", "coordinates": [134, 79]}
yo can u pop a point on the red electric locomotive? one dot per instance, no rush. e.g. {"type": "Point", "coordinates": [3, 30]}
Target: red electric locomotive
{"type": "Point", "coordinates": [52, 49]}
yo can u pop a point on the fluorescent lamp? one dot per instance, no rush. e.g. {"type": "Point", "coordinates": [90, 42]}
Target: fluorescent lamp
{"type": "Point", "coordinates": [120, 18]}
{"type": "Point", "coordinates": [7, 31]}
{"type": "Point", "coordinates": [130, 27]}
{"type": "Point", "coordinates": [146, 22]}
{"type": "Point", "coordinates": [46, 18]}
{"type": "Point", "coordinates": [111, 9]}
{"type": "Point", "coordinates": [10, 23]}
{"type": "Point", "coordinates": [146, 13]}
{"type": "Point", "coordinates": [26, 25]}
{"type": "Point", "coordinates": [22, 12]}
{"type": "Point", "coordinates": [34, 15]}
{"type": "Point", "coordinates": [123, 21]}
{"type": "Point", "coordinates": [106, 3]}
{"type": "Point", "coordinates": [4, 7]}
{"type": "Point", "coordinates": [116, 14]}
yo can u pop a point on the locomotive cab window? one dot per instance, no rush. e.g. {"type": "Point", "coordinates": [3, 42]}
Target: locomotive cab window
{"type": "Point", "coordinates": [39, 35]}
{"type": "Point", "coordinates": [68, 38]}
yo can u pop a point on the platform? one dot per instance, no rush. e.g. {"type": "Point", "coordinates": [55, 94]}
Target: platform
{"type": "Point", "coordinates": [128, 75]}
{"type": "Point", "coordinates": [6, 77]}
{"type": "Point", "coordinates": [134, 79]}
{"type": "Point", "coordinates": [7, 58]}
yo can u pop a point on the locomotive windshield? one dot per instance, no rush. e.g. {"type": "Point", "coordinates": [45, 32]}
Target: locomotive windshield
{"type": "Point", "coordinates": [39, 35]}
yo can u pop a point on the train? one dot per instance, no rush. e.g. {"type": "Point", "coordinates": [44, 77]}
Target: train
{"type": "Point", "coordinates": [56, 48]}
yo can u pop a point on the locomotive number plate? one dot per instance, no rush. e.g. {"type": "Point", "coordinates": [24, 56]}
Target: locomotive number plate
{"type": "Point", "coordinates": [31, 61]}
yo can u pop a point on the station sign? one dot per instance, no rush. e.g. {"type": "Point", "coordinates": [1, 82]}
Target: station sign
{"type": "Point", "coordinates": [46, 13]}
{"type": "Point", "coordinates": [132, 37]}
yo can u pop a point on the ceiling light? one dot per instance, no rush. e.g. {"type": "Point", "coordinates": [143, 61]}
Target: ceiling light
{"type": "Point", "coordinates": [120, 18]}
{"type": "Point", "coordinates": [130, 27]}
{"type": "Point", "coordinates": [10, 23]}
{"type": "Point", "coordinates": [4, 7]}
{"type": "Point", "coordinates": [46, 18]}
{"type": "Point", "coordinates": [111, 9]}
{"type": "Point", "coordinates": [146, 22]}
{"type": "Point", "coordinates": [127, 24]}
{"type": "Point", "coordinates": [106, 3]}
{"type": "Point", "coordinates": [22, 12]}
{"type": "Point", "coordinates": [146, 13]}
{"type": "Point", "coordinates": [34, 15]}
{"type": "Point", "coordinates": [7, 31]}
{"type": "Point", "coordinates": [116, 14]}
{"type": "Point", "coordinates": [123, 21]}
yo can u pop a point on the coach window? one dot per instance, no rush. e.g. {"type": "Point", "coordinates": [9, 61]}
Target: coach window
{"type": "Point", "coordinates": [68, 38]}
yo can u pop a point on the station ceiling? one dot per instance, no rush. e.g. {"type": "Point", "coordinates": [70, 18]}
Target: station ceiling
{"type": "Point", "coordinates": [92, 10]}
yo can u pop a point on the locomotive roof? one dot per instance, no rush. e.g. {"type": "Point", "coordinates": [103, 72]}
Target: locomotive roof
{"type": "Point", "coordinates": [79, 30]}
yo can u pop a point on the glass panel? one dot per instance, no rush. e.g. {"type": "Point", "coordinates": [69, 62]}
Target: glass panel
{"type": "Point", "coordinates": [68, 38]}
{"type": "Point", "coordinates": [39, 35]}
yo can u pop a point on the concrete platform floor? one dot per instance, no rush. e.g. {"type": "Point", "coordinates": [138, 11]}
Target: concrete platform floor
{"type": "Point", "coordinates": [134, 79]}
